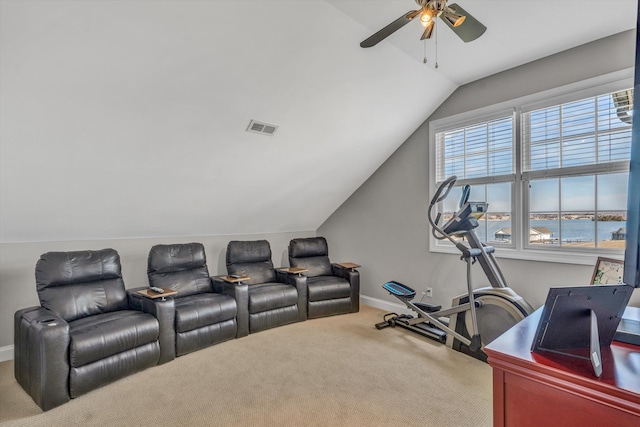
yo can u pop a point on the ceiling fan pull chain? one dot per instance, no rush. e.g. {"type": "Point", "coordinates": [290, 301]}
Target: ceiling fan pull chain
{"type": "Point", "coordinates": [436, 28]}
{"type": "Point", "coordinates": [424, 61]}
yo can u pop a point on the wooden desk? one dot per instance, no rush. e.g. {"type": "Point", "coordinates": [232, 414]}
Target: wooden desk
{"type": "Point", "coordinates": [553, 390]}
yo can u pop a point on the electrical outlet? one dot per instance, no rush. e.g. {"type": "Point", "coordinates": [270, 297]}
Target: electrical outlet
{"type": "Point", "coordinates": [429, 292]}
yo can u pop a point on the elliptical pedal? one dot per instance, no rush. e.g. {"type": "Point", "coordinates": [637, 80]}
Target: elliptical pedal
{"type": "Point", "coordinates": [399, 290]}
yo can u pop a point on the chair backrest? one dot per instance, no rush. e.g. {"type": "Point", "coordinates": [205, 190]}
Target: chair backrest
{"type": "Point", "coordinates": [181, 267]}
{"type": "Point", "coordinates": [251, 258]}
{"type": "Point", "coordinates": [81, 283]}
{"type": "Point", "coordinates": [311, 253]}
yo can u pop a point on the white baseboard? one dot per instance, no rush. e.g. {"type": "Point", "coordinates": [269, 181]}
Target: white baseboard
{"type": "Point", "coordinates": [385, 305]}
{"type": "Point", "coordinates": [6, 353]}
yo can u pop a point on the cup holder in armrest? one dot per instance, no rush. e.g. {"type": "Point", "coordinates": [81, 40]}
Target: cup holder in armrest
{"type": "Point", "coordinates": [49, 322]}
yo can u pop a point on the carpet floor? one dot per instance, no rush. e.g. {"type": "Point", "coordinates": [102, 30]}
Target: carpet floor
{"type": "Point", "coordinates": [334, 371]}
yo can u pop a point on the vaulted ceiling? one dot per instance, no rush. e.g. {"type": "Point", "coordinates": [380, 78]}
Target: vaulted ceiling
{"type": "Point", "coordinates": [124, 119]}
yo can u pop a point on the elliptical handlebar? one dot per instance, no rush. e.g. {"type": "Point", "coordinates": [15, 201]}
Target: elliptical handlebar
{"type": "Point", "coordinates": [441, 233]}
{"type": "Point", "coordinates": [448, 183]}
{"type": "Point", "coordinates": [445, 187]}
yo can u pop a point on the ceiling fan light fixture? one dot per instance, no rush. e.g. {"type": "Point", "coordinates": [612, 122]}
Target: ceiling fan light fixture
{"type": "Point", "coordinates": [453, 18]}
{"type": "Point", "coordinates": [426, 18]}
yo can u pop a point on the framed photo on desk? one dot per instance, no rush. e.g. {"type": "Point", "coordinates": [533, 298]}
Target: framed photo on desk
{"type": "Point", "coordinates": [607, 271]}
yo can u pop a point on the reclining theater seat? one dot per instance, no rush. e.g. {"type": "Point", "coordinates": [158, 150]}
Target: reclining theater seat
{"type": "Point", "coordinates": [202, 317]}
{"type": "Point", "coordinates": [84, 335]}
{"type": "Point", "coordinates": [332, 289]}
{"type": "Point", "coordinates": [274, 298]}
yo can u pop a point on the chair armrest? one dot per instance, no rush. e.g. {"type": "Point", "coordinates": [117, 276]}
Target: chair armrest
{"type": "Point", "coordinates": [41, 354]}
{"type": "Point", "coordinates": [165, 312]}
{"type": "Point", "coordinates": [240, 292]}
{"type": "Point", "coordinates": [342, 271]}
{"type": "Point", "coordinates": [300, 282]}
{"type": "Point", "coordinates": [353, 277]}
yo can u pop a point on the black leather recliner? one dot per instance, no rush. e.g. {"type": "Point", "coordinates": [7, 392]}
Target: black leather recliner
{"type": "Point", "coordinates": [332, 288]}
{"type": "Point", "coordinates": [85, 334]}
{"type": "Point", "coordinates": [271, 297]}
{"type": "Point", "coordinates": [203, 317]}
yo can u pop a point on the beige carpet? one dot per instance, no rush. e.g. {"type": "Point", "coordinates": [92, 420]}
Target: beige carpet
{"type": "Point", "coordinates": [336, 371]}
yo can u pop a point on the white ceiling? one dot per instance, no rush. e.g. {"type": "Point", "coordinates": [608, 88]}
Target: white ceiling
{"type": "Point", "coordinates": [124, 119]}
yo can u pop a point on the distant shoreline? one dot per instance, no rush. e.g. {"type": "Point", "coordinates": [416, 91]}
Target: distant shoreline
{"type": "Point", "coordinates": [564, 218]}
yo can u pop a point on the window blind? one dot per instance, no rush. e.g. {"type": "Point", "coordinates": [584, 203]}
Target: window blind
{"type": "Point", "coordinates": [476, 151]}
{"type": "Point", "coordinates": [592, 133]}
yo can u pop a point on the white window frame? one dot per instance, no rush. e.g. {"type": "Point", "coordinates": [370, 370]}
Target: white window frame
{"type": "Point", "coordinates": [520, 249]}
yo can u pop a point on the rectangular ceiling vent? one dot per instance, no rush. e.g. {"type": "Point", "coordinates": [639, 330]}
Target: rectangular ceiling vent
{"type": "Point", "coordinates": [262, 128]}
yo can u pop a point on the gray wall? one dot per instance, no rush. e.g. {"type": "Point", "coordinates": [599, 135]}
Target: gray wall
{"type": "Point", "coordinates": [385, 220]}
{"type": "Point", "coordinates": [18, 260]}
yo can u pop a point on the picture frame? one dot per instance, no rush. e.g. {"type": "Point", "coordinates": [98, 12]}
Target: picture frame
{"type": "Point", "coordinates": [608, 271]}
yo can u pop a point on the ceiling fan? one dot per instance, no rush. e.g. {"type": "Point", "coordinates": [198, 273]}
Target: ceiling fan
{"type": "Point", "coordinates": [459, 20]}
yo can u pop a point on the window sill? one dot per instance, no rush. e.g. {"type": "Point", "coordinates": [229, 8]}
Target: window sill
{"type": "Point", "coordinates": [542, 255]}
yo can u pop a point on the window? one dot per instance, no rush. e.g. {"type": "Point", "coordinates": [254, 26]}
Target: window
{"type": "Point", "coordinates": [575, 160]}
{"type": "Point", "coordinates": [553, 172]}
{"type": "Point", "coordinates": [481, 154]}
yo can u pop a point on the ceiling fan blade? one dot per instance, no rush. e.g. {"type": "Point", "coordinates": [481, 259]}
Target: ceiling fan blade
{"type": "Point", "coordinates": [390, 29]}
{"type": "Point", "coordinates": [470, 29]}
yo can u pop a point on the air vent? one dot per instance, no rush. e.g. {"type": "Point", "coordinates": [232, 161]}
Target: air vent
{"type": "Point", "coordinates": [262, 128]}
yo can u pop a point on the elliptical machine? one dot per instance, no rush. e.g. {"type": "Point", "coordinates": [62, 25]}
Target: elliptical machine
{"type": "Point", "coordinates": [477, 317]}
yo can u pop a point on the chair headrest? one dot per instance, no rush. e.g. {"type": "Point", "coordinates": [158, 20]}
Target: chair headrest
{"type": "Point", "coordinates": [241, 252]}
{"type": "Point", "coordinates": [308, 247]}
{"type": "Point", "coordinates": [176, 257]}
{"type": "Point", "coordinates": [65, 268]}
